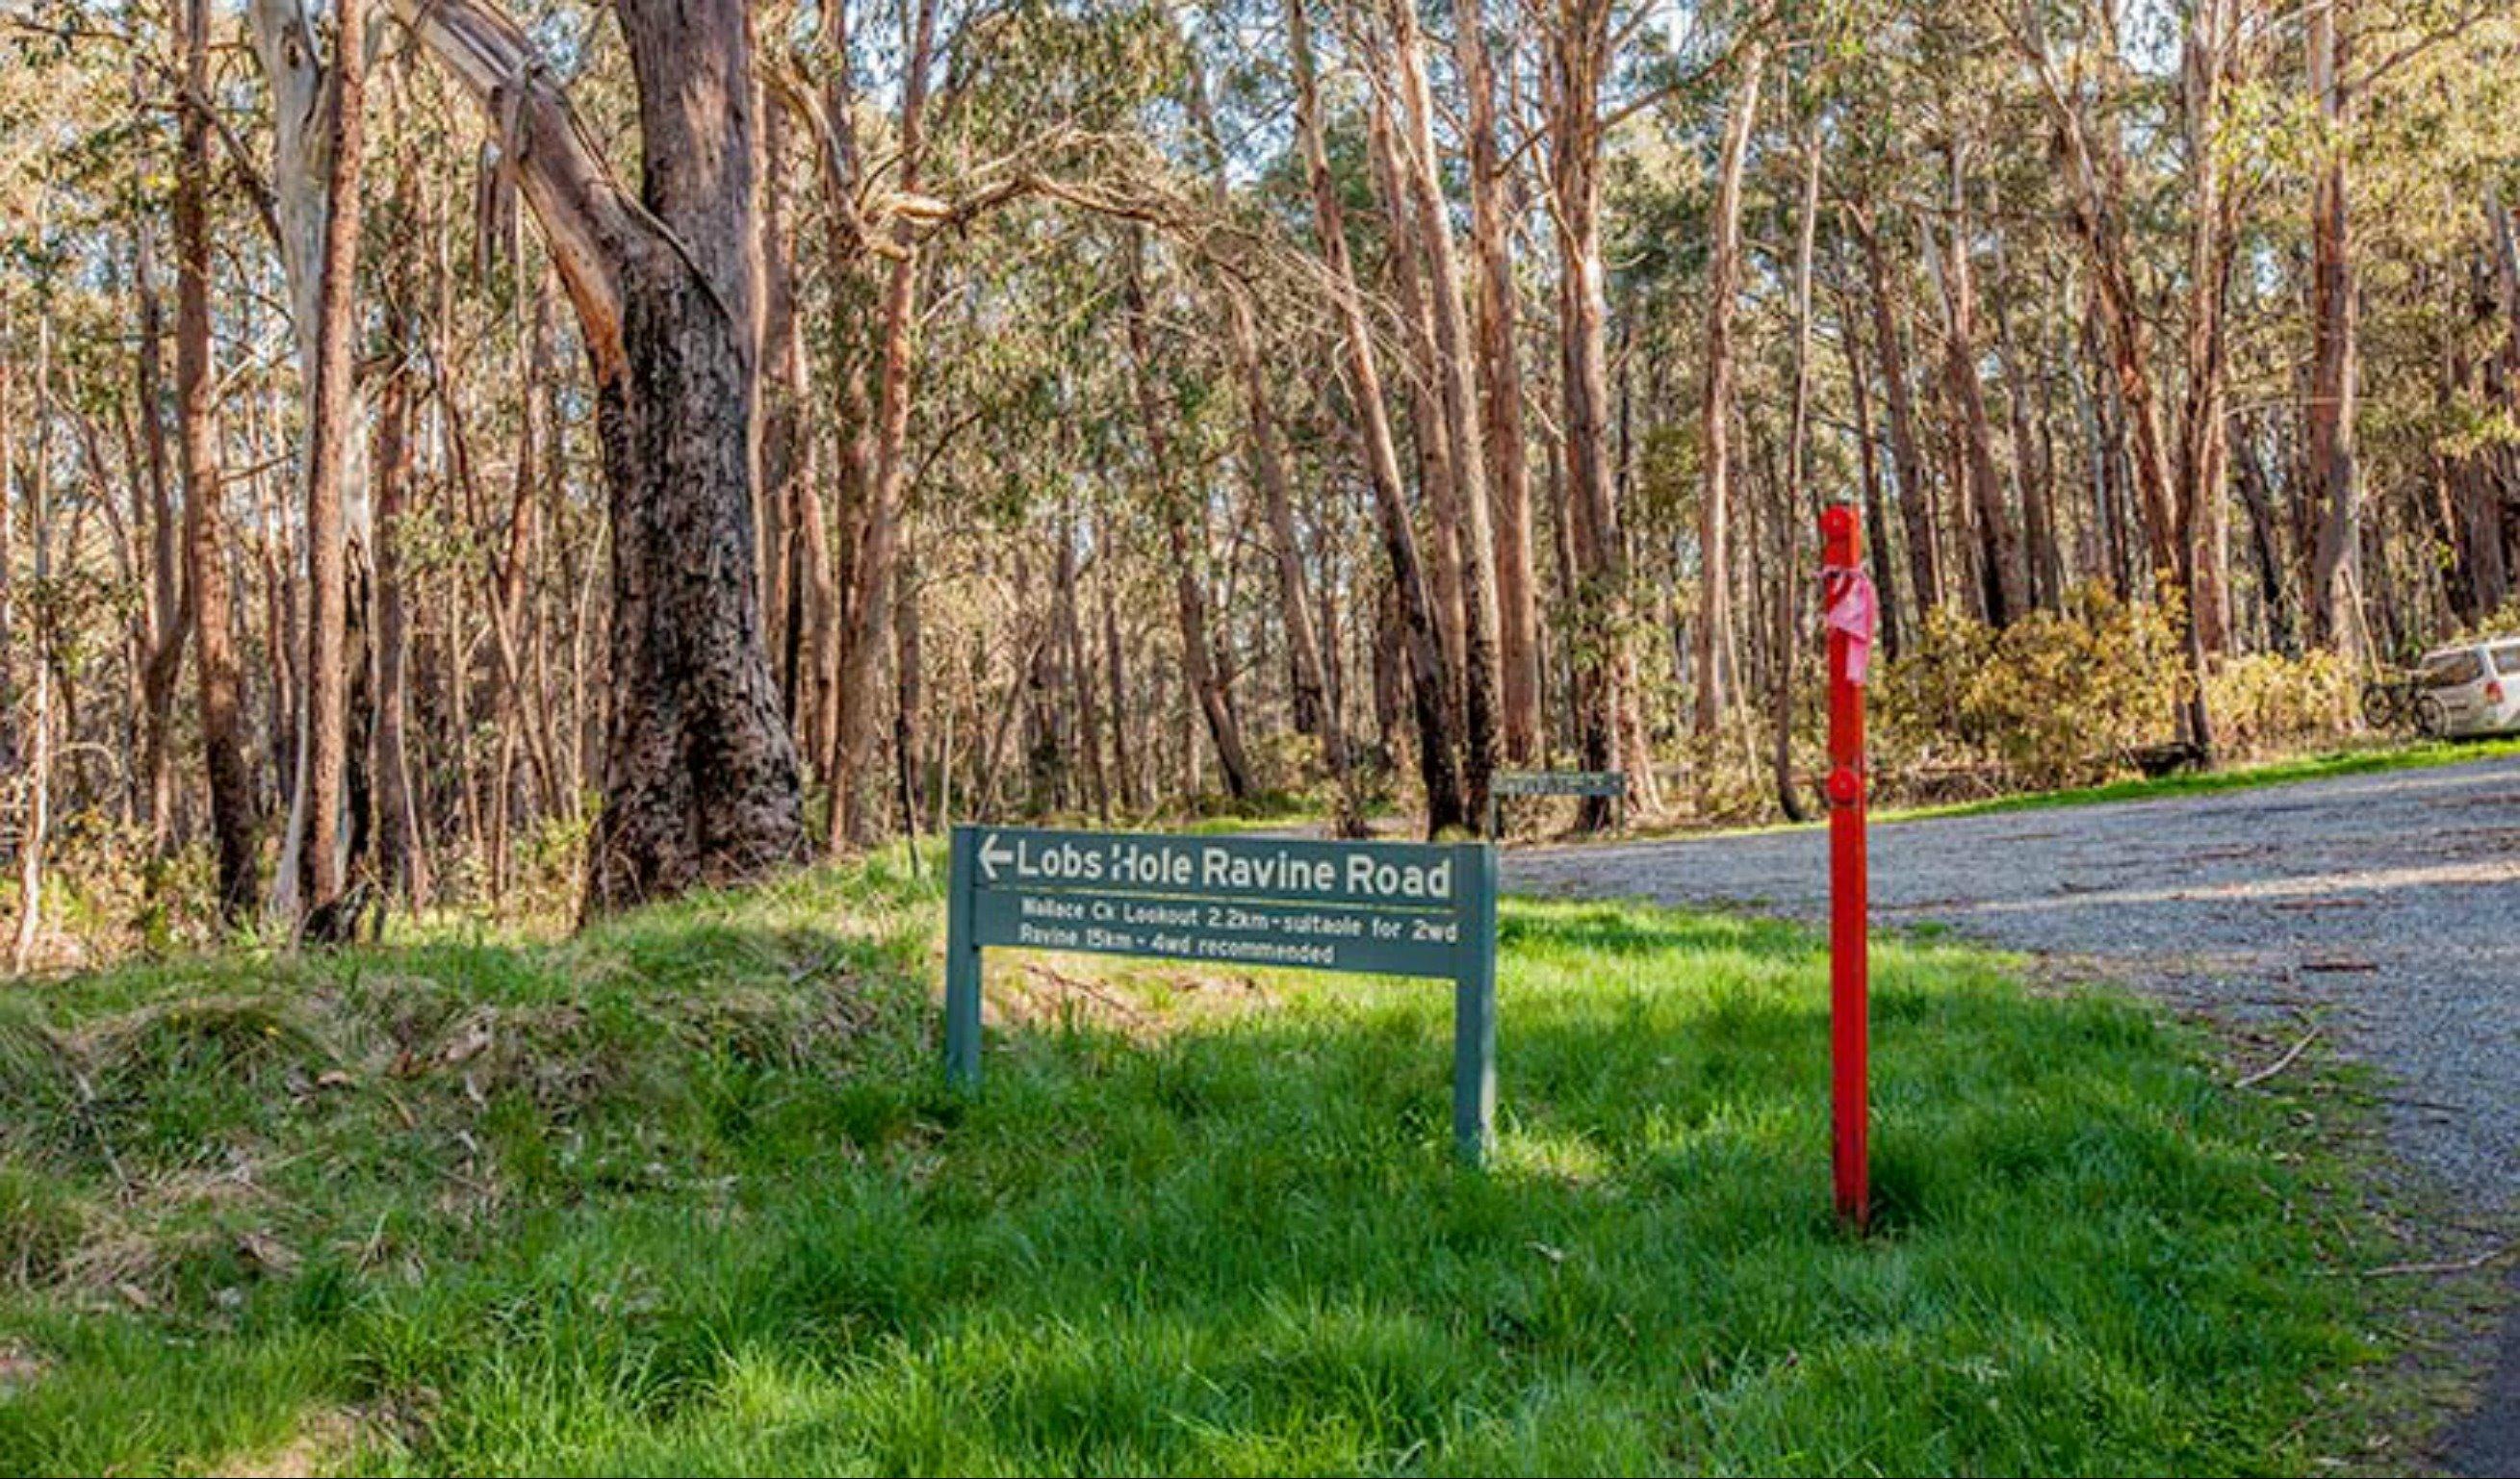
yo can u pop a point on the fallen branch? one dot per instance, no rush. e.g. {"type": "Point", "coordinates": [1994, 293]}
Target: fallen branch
{"type": "Point", "coordinates": [2279, 1064]}
{"type": "Point", "coordinates": [2452, 1265]}
{"type": "Point", "coordinates": [1077, 987]}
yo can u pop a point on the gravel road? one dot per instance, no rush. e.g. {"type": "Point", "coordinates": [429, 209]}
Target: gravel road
{"type": "Point", "coordinates": [2384, 908]}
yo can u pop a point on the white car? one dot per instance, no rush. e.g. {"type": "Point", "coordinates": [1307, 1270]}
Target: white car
{"type": "Point", "coordinates": [2472, 689]}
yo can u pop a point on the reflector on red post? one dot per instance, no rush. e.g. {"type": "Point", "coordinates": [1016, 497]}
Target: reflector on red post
{"type": "Point", "coordinates": [1852, 609]}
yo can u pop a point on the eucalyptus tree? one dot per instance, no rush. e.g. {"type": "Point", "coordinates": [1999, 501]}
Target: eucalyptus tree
{"type": "Point", "coordinates": [700, 781]}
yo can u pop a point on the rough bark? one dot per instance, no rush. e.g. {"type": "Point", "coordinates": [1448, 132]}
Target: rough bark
{"type": "Point", "coordinates": [700, 782]}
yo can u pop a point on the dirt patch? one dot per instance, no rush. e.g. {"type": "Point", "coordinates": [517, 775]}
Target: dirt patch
{"type": "Point", "coordinates": [321, 1444]}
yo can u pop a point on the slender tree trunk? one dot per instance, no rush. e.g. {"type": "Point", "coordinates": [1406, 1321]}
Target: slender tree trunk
{"type": "Point", "coordinates": [907, 672]}
{"type": "Point", "coordinates": [34, 809]}
{"type": "Point", "coordinates": [12, 752]}
{"type": "Point", "coordinates": [2203, 419]}
{"type": "Point", "coordinates": [233, 819]}
{"type": "Point", "coordinates": [868, 632]}
{"type": "Point", "coordinates": [1715, 413]}
{"type": "Point", "coordinates": [787, 442]}
{"type": "Point", "coordinates": [1457, 379]}
{"type": "Point", "coordinates": [1877, 514]}
{"type": "Point", "coordinates": [1115, 677]}
{"type": "Point", "coordinates": [2032, 464]}
{"type": "Point", "coordinates": [1438, 479]}
{"type": "Point", "coordinates": [1438, 760]}
{"type": "Point", "coordinates": [402, 857]}
{"type": "Point", "coordinates": [2335, 478]}
{"type": "Point", "coordinates": [331, 435]}
{"type": "Point", "coordinates": [2274, 585]}
{"type": "Point", "coordinates": [1916, 484]}
{"type": "Point", "coordinates": [1999, 566]}
{"type": "Point", "coordinates": [1509, 475]}
{"type": "Point", "coordinates": [1186, 539]}
{"type": "Point", "coordinates": [1790, 580]}
{"type": "Point", "coordinates": [169, 621]}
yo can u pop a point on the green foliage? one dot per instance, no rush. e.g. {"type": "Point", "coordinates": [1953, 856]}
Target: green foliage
{"type": "Point", "coordinates": [2056, 699]}
{"type": "Point", "coordinates": [686, 1194]}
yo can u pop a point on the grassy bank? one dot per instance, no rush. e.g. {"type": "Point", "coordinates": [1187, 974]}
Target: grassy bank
{"type": "Point", "coordinates": [685, 1196]}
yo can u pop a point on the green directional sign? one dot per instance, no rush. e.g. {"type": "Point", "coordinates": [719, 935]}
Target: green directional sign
{"type": "Point", "coordinates": [1369, 907]}
{"type": "Point", "coordinates": [1504, 783]}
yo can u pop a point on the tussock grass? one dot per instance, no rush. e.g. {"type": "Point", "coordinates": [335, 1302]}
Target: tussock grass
{"type": "Point", "coordinates": [687, 1194]}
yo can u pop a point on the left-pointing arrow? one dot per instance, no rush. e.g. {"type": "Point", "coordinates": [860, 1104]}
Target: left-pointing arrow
{"type": "Point", "coordinates": [992, 854]}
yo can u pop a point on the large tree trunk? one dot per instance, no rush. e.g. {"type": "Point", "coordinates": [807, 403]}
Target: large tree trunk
{"type": "Point", "coordinates": [231, 776]}
{"type": "Point", "coordinates": [1437, 759]}
{"type": "Point", "coordinates": [1508, 474]}
{"type": "Point", "coordinates": [700, 784]}
{"type": "Point", "coordinates": [1715, 410]}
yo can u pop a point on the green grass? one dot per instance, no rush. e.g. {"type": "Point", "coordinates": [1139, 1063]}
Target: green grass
{"type": "Point", "coordinates": [685, 1196]}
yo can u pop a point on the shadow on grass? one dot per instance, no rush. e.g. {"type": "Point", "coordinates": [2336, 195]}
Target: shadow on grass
{"type": "Point", "coordinates": [694, 1220]}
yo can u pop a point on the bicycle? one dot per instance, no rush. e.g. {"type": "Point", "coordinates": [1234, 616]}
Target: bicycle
{"type": "Point", "coordinates": [2400, 703]}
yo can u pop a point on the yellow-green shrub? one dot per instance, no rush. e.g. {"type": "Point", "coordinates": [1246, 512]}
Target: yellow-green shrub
{"type": "Point", "coordinates": [2056, 699]}
{"type": "Point", "coordinates": [2266, 702]}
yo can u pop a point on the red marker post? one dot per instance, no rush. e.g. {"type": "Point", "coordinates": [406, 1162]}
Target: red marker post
{"type": "Point", "coordinates": [1852, 609]}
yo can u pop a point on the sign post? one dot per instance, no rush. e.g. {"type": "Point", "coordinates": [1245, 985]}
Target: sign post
{"type": "Point", "coordinates": [1401, 908]}
{"type": "Point", "coordinates": [1504, 784]}
{"type": "Point", "coordinates": [1848, 598]}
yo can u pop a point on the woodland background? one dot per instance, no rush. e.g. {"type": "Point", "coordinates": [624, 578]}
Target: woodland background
{"type": "Point", "coordinates": [516, 464]}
